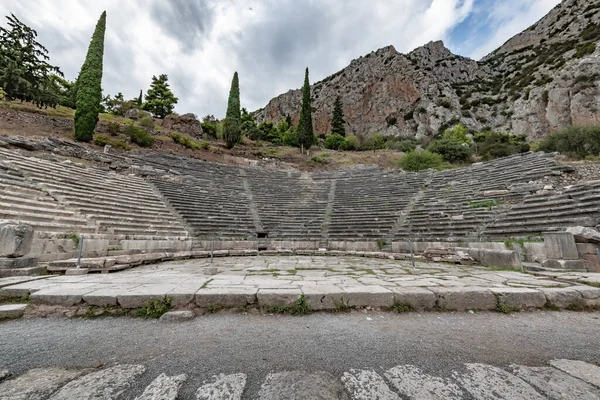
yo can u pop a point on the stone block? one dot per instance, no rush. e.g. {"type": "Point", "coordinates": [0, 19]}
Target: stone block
{"type": "Point", "coordinates": [184, 294]}
{"type": "Point", "coordinates": [77, 271]}
{"type": "Point", "coordinates": [64, 295]}
{"type": "Point", "coordinates": [140, 296]}
{"type": "Point", "coordinates": [226, 296]}
{"type": "Point", "coordinates": [564, 264]}
{"type": "Point", "coordinates": [560, 246]}
{"type": "Point", "coordinates": [22, 271]}
{"type": "Point", "coordinates": [18, 263]}
{"type": "Point", "coordinates": [368, 295]}
{"type": "Point", "coordinates": [495, 258]}
{"type": "Point", "coordinates": [278, 297]}
{"type": "Point", "coordinates": [15, 239]}
{"type": "Point", "coordinates": [589, 294]}
{"type": "Point", "coordinates": [105, 296]}
{"type": "Point", "coordinates": [562, 297]}
{"type": "Point", "coordinates": [584, 234]}
{"type": "Point", "coordinates": [11, 311]}
{"type": "Point", "coordinates": [464, 298]}
{"type": "Point", "coordinates": [323, 297]}
{"type": "Point", "coordinates": [520, 298]}
{"type": "Point", "coordinates": [177, 316]}
{"type": "Point", "coordinates": [416, 297]}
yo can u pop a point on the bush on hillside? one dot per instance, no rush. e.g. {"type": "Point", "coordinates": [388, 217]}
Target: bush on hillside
{"type": "Point", "coordinates": [575, 141]}
{"type": "Point", "coordinates": [138, 136]}
{"type": "Point", "coordinates": [420, 160]}
{"type": "Point", "coordinates": [146, 121]}
{"type": "Point", "coordinates": [334, 141]}
{"type": "Point", "coordinates": [492, 145]}
{"type": "Point", "coordinates": [350, 143]}
{"type": "Point", "coordinates": [210, 128]}
{"type": "Point", "coordinates": [451, 150]}
{"type": "Point", "coordinates": [402, 144]}
{"type": "Point", "coordinates": [458, 133]}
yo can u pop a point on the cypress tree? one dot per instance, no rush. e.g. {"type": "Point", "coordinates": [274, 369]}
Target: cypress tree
{"type": "Point", "coordinates": [306, 136]}
{"type": "Point", "coordinates": [232, 130]}
{"type": "Point", "coordinates": [337, 118]}
{"type": "Point", "coordinates": [140, 100]}
{"type": "Point", "coordinates": [89, 89]}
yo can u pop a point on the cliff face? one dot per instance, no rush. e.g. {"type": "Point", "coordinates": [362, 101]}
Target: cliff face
{"type": "Point", "coordinates": [543, 79]}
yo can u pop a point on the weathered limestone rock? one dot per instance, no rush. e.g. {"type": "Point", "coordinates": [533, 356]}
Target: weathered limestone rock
{"type": "Point", "coordinates": [584, 234]}
{"type": "Point", "coordinates": [177, 316]}
{"type": "Point", "coordinates": [163, 388]}
{"type": "Point", "coordinates": [415, 297]}
{"type": "Point", "coordinates": [562, 297]}
{"type": "Point", "coordinates": [11, 311]}
{"type": "Point", "coordinates": [135, 114]}
{"type": "Point", "coordinates": [186, 123]}
{"type": "Point", "coordinates": [464, 298]}
{"type": "Point", "coordinates": [560, 246]}
{"type": "Point", "coordinates": [15, 239]}
{"type": "Point", "coordinates": [37, 384]}
{"type": "Point", "coordinates": [520, 298]}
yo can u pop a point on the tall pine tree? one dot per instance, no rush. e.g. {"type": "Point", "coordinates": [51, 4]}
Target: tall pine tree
{"type": "Point", "coordinates": [140, 100]}
{"type": "Point", "coordinates": [337, 118]}
{"type": "Point", "coordinates": [232, 130]}
{"type": "Point", "coordinates": [306, 136]}
{"type": "Point", "coordinates": [89, 89]}
{"type": "Point", "coordinates": [160, 101]}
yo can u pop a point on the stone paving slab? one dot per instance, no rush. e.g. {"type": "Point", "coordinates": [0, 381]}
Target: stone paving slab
{"type": "Point", "coordinates": [326, 283]}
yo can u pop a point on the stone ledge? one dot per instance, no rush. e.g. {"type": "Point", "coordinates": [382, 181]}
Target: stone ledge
{"type": "Point", "coordinates": [12, 311]}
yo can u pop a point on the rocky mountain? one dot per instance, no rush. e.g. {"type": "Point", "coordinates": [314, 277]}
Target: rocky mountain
{"type": "Point", "coordinates": [543, 79]}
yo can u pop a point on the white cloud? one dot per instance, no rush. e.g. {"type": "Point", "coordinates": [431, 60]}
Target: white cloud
{"type": "Point", "coordinates": [199, 44]}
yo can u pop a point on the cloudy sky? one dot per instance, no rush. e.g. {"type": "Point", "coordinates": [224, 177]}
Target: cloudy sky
{"type": "Point", "coordinates": [200, 43]}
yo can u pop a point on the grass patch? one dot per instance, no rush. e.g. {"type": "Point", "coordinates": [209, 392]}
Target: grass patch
{"type": "Point", "coordinates": [483, 204]}
{"type": "Point", "coordinates": [401, 308]}
{"type": "Point", "coordinates": [342, 306]}
{"type": "Point", "coordinates": [321, 159]}
{"type": "Point", "coordinates": [155, 308]}
{"type": "Point", "coordinates": [506, 309]}
{"type": "Point", "coordinates": [381, 243]}
{"type": "Point", "coordinates": [216, 308]}
{"type": "Point", "coordinates": [189, 143]}
{"type": "Point", "coordinates": [74, 237]}
{"type": "Point", "coordinates": [299, 308]}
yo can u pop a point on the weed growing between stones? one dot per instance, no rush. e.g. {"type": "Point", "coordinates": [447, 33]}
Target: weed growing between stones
{"type": "Point", "coordinates": [342, 306]}
{"type": "Point", "coordinates": [155, 308]}
{"type": "Point", "coordinates": [74, 237]}
{"type": "Point", "coordinates": [483, 204]}
{"type": "Point", "coordinates": [506, 309]}
{"type": "Point", "coordinates": [106, 311]}
{"type": "Point", "coordinates": [300, 308]}
{"type": "Point", "coordinates": [401, 308]}
{"type": "Point", "coordinates": [216, 308]}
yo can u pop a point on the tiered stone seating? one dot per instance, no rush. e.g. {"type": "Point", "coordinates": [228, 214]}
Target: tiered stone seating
{"type": "Point", "coordinates": [212, 207]}
{"type": "Point", "coordinates": [368, 205]}
{"type": "Point", "coordinates": [117, 204]}
{"type": "Point", "coordinates": [575, 205]}
{"type": "Point", "coordinates": [290, 205]}
{"type": "Point", "coordinates": [22, 201]}
{"type": "Point", "coordinates": [444, 211]}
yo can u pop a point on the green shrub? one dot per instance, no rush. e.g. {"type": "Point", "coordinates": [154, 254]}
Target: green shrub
{"type": "Point", "coordinates": [189, 143]}
{"type": "Point", "coordinates": [289, 137]}
{"type": "Point", "coordinates": [491, 145]}
{"type": "Point", "coordinates": [403, 144]}
{"type": "Point", "coordinates": [420, 160]}
{"type": "Point", "coordinates": [321, 159]}
{"type": "Point", "coordinates": [210, 128]}
{"type": "Point", "coordinates": [155, 308]}
{"type": "Point", "coordinates": [333, 142]}
{"type": "Point", "coordinates": [119, 143]}
{"type": "Point", "coordinates": [113, 128]}
{"type": "Point", "coordinates": [146, 121]}
{"type": "Point", "coordinates": [204, 145]}
{"type": "Point", "coordinates": [101, 140]}
{"type": "Point", "coordinates": [138, 136]}
{"type": "Point", "coordinates": [350, 143]}
{"type": "Point", "coordinates": [451, 150]}
{"type": "Point", "coordinates": [445, 103]}
{"type": "Point", "coordinates": [458, 133]}
{"type": "Point", "coordinates": [585, 49]}
{"type": "Point", "coordinates": [576, 141]}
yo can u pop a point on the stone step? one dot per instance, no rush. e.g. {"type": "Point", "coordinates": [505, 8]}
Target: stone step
{"type": "Point", "coordinates": [41, 217]}
{"type": "Point", "coordinates": [31, 207]}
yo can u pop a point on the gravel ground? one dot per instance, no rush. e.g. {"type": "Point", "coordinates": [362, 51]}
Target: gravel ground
{"type": "Point", "coordinates": [257, 345]}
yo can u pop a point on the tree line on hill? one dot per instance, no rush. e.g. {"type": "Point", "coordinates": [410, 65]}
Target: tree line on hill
{"type": "Point", "coordinates": [26, 75]}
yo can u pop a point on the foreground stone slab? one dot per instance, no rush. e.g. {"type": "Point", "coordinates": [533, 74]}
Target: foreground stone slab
{"type": "Point", "coordinates": [62, 295]}
{"type": "Point", "coordinates": [368, 295]}
{"type": "Point", "coordinates": [177, 316]}
{"type": "Point", "coordinates": [108, 383]}
{"type": "Point", "coordinates": [277, 297]}
{"type": "Point", "coordinates": [323, 297]}
{"type": "Point", "coordinates": [106, 296]}
{"type": "Point", "coordinates": [489, 382]}
{"type": "Point", "coordinates": [366, 385]}
{"type": "Point", "coordinates": [11, 311]}
{"type": "Point", "coordinates": [163, 388]}
{"type": "Point", "coordinates": [413, 383]}
{"type": "Point", "coordinates": [589, 294]}
{"type": "Point", "coordinates": [520, 298]}
{"type": "Point", "coordinates": [302, 385]}
{"type": "Point", "coordinates": [226, 296]}
{"type": "Point", "coordinates": [556, 384]}
{"type": "Point", "coordinates": [562, 297]}
{"type": "Point", "coordinates": [141, 295]}
{"type": "Point", "coordinates": [37, 384]}
{"type": "Point", "coordinates": [223, 386]}
{"type": "Point", "coordinates": [589, 373]}
{"type": "Point", "coordinates": [464, 298]}
{"type": "Point", "coordinates": [415, 297]}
